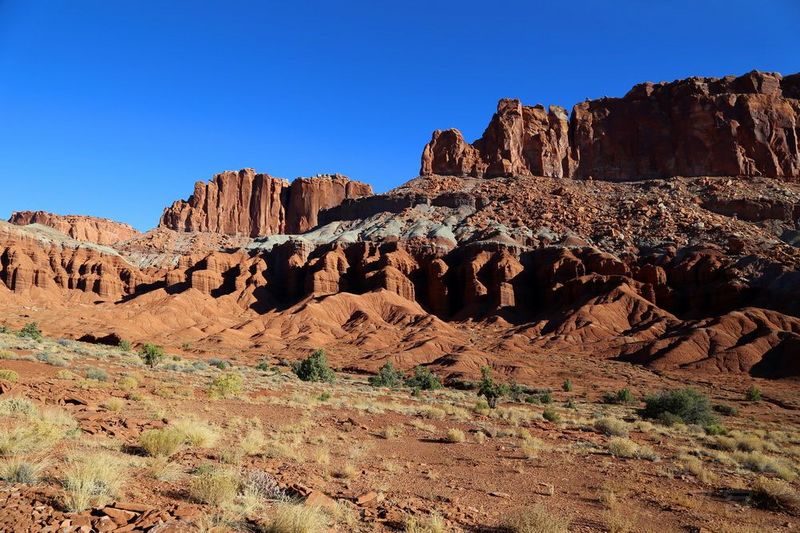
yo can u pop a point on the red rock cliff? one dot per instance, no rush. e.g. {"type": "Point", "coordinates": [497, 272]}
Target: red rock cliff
{"type": "Point", "coordinates": [745, 126]}
{"type": "Point", "coordinates": [245, 203]}
{"type": "Point", "coordinates": [80, 228]}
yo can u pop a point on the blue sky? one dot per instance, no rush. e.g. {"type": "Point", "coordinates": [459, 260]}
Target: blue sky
{"type": "Point", "coordinates": [116, 108]}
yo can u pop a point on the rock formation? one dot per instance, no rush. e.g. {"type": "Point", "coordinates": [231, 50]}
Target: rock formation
{"type": "Point", "coordinates": [81, 228]}
{"type": "Point", "coordinates": [745, 126]}
{"type": "Point", "coordinates": [246, 203]}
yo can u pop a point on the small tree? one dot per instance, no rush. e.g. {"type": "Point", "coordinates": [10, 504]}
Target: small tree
{"type": "Point", "coordinates": [31, 331]}
{"type": "Point", "coordinates": [151, 354]}
{"type": "Point", "coordinates": [489, 389]}
{"type": "Point", "coordinates": [315, 368]}
{"type": "Point", "coordinates": [423, 379]}
{"type": "Point", "coordinates": [387, 377]}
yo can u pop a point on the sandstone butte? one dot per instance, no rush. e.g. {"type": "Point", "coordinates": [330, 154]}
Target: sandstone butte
{"type": "Point", "coordinates": [680, 253]}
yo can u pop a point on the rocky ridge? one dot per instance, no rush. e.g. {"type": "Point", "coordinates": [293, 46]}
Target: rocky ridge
{"type": "Point", "coordinates": [247, 203]}
{"type": "Point", "coordinates": [81, 228]}
{"type": "Point", "coordinates": [732, 126]}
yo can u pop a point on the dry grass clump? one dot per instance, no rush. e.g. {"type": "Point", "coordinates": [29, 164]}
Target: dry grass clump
{"type": "Point", "coordinates": [423, 426]}
{"type": "Point", "coordinates": [253, 442]}
{"type": "Point", "coordinates": [30, 436]}
{"type": "Point", "coordinates": [346, 471]}
{"type": "Point", "coordinates": [161, 442]}
{"type": "Point", "coordinates": [163, 469]}
{"type": "Point", "coordinates": [296, 518]}
{"type": "Point", "coordinates": [196, 432]}
{"type": "Point", "coordinates": [536, 519]}
{"type": "Point", "coordinates": [455, 435]}
{"type": "Point", "coordinates": [432, 523]}
{"type": "Point", "coordinates": [695, 466]}
{"type": "Point", "coordinates": [775, 494]}
{"type": "Point", "coordinates": [214, 486]}
{"type": "Point", "coordinates": [433, 413]}
{"type": "Point", "coordinates": [531, 447]}
{"type": "Point", "coordinates": [127, 383]}
{"type": "Point", "coordinates": [226, 386]}
{"type": "Point", "coordinates": [622, 447]}
{"type": "Point", "coordinates": [113, 404]}
{"type": "Point", "coordinates": [611, 427]}
{"type": "Point", "coordinates": [390, 432]}
{"type": "Point", "coordinates": [758, 462]}
{"type": "Point", "coordinates": [91, 480]}
{"type": "Point", "coordinates": [18, 470]}
{"type": "Point", "coordinates": [17, 406]}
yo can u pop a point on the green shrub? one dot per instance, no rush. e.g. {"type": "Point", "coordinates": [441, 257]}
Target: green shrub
{"type": "Point", "coordinates": [324, 396]}
{"type": "Point", "coordinates": [226, 386]}
{"type": "Point", "coordinates": [726, 410]}
{"type": "Point", "coordinates": [31, 330]}
{"type": "Point", "coordinates": [489, 389]}
{"type": "Point", "coordinates": [715, 429]}
{"type": "Point", "coordinates": [550, 415]}
{"type": "Point", "coordinates": [222, 364]}
{"type": "Point", "coordinates": [683, 405]}
{"type": "Point", "coordinates": [4, 329]}
{"type": "Point", "coordinates": [8, 375]}
{"type": "Point", "coordinates": [97, 374]}
{"type": "Point", "coordinates": [151, 354]}
{"type": "Point", "coordinates": [263, 366]}
{"type": "Point", "coordinates": [315, 368]}
{"type": "Point", "coordinates": [546, 397]}
{"type": "Point", "coordinates": [567, 386]}
{"type": "Point", "coordinates": [753, 394]}
{"type": "Point", "coordinates": [423, 379]}
{"type": "Point", "coordinates": [387, 377]}
{"type": "Point", "coordinates": [622, 396]}
{"type": "Point", "coordinates": [124, 345]}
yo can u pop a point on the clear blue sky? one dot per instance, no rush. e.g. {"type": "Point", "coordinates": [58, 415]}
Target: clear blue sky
{"type": "Point", "coordinates": [115, 108]}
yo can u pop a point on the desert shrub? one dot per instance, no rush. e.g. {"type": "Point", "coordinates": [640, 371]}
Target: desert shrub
{"type": "Point", "coordinates": [315, 368]}
{"type": "Point", "coordinates": [622, 447]}
{"type": "Point", "coordinates": [18, 470]}
{"type": "Point", "coordinates": [390, 432]}
{"type": "Point", "coordinates": [264, 485]}
{"type": "Point", "coordinates": [387, 376]}
{"type": "Point", "coordinates": [455, 435]}
{"type": "Point", "coordinates": [124, 345]}
{"type": "Point", "coordinates": [4, 329]}
{"type": "Point", "coordinates": [683, 405]}
{"type": "Point", "coordinates": [31, 331]}
{"type": "Point", "coordinates": [758, 462]}
{"type": "Point", "coordinates": [546, 397]}
{"type": "Point", "coordinates": [324, 396]}
{"type": "Point", "coordinates": [161, 442]}
{"type": "Point", "coordinates": [536, 519]}
{"type": "Point", "coordinates": [570, 404]}
{"type": "Point", "coordinates": [621, 397]}
{"type": "Point", "coordinates": [91, 480]}
{"type": "Point", "coordinates": [222, 364]}
{"type": "Point", "coordinates": [481, 407]}
{"type": "Point", "coordinates": [127, 383]}
{"type": "Point", "coordinates": [296, 518]}
{"type": "Point", "coordinates": [753, 394]}
{"type": "Point", "coordinates": [97, 374]}
{"type": "Point", "coordinates": [8, 375]}
{"type": "Point", "coordinates": [775, 494]}
{"type": "Point", "coordinates": [226, 386]}
{"type": "Point", "coordinates": [612, 427]}
{"type": "Point", "coordinates": [725, 410]}
{"type": "Point", "coordinates": [423, 379]}
{"type": "Point", "coordinates": [51, 359]}
{"type": "Point", "coordinates": [263, 366]}
{"type": "Point", "coordinates": [550, 415]}
{"type": "Point", "coordinates": [489, 389]}
{"type": "Point", "coordinates": [214, 486]}
{"type": "Point", "coordinates": [715, 429]}
{"type": "Point", "coordinates": [567, 385]}
{"type": "Point", "coordinates": [151, 354]}
{"type": "Point", "coordinates": [531, 447]}
{"type": "Point", "coordinates": [16, 405]}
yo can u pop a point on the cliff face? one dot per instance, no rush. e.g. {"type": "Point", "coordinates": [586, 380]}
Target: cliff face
{"type": "Point", "coordinates": [80, 228]}
{"type": "Point", "coordinates": [745, 126]}
{"type": "Point", "coordinates": [245, 203]}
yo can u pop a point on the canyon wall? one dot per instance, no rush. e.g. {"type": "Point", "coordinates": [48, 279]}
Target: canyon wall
{"type": "Point", "coordinates": [731, 126]}
{"type": "Point", "coordinates": [246, 203]}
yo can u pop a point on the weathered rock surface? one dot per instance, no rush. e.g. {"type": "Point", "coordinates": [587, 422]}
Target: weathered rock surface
{"type": "Point", "coordinates": [246, 203]}
{"type": "Point", "coordinates": [80, 228]}
{"type": "Point", "coordinates": [745, 126]}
